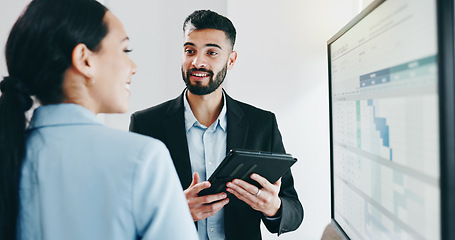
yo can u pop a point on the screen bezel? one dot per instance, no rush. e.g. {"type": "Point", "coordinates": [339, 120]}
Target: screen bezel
{"type": "Point", "coordinates": [446, 96]}
{"type": "Point", "coordinates": [446, 57]}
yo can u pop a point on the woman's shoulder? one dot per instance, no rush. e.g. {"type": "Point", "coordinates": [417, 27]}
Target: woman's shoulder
{"type": "Point", "coordinates": [129, 139]}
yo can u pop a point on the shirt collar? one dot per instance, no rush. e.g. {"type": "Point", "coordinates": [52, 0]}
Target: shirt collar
{"type": "Point", "coordinates": [190, 119]}
{"type": "Point", "coordinates": [62, 114]}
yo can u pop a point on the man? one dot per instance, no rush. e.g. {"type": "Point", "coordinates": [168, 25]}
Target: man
{"type": "Point", "coordinates": [203, 123]}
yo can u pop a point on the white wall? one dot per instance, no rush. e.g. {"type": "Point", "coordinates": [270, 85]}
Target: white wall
{"type": "Point", "coordinates": [281, 66]}
{"type": "Point", "coordinates": [9, 12]}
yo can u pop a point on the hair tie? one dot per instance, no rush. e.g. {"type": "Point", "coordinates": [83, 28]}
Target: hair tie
{"type": "Point", "coordinates": [12, 85]}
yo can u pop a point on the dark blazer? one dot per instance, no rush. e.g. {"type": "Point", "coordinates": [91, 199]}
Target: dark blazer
{"type": "Point", "coordinates": [247, 128]}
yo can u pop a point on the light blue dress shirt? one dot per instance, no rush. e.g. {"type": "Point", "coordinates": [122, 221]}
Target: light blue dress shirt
{"type": "Point", "coordinates": [83, 180]}
{"type": "Point", "coordinates": [207, 148]}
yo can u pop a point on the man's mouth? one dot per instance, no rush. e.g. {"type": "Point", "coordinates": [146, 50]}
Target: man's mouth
{"type": "Point", "coordinates": [199, 73]}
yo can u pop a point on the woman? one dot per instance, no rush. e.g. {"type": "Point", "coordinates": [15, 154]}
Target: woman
{"type": "Point", "coordinates": [68, 176]}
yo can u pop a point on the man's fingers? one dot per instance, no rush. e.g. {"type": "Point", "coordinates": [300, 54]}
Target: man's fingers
{"type": "Point", "coordinates": [194, 190]}
{"type": "Point", "coordinates": [241, 190]}
{"type": "Point", "coordinates": [195, 179]}
{"type": "Point", "coordinates": [206, 200]}
{"type": "Point", "coordinates": [214, 207]}
{"type": "Point", "coordinates": [241, 194]}
{"type": "Point", "coordinates": [204, 206]}
{"type": "Point", "coordinates": [251, 189]}
{"type": "Point", "coordinates": [261, 180]}
{"type": "Point", "coordinates": [208, 210]}
{"type": "Point", "coordinates": [213, 197]}
{"type": "Point", "coordinates": [278, 183]}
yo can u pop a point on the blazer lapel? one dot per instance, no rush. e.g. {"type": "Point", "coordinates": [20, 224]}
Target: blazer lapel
{"type": "Point", "coordinates": [237, 126]}
{"type": "Point", "coordinates": [237, 131]}
{"type": "Point", "coordinates": [174, 128]}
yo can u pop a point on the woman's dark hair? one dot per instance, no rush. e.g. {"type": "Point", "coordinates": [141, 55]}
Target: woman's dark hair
{"type": "Point", "coordinates": [38, 52]}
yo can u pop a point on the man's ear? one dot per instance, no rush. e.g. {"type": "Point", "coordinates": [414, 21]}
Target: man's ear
{"type": "Point", "coordinates": [82, 60]}
{"type": "Point", "coordinates": [232, 59]}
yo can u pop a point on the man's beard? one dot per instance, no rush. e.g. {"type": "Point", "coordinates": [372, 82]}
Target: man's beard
{"type": "Point", "coordinates": [197, 89]}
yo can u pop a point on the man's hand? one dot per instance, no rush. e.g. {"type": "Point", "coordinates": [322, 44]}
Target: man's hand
{"type": "Point", "coordinates": [265, 200]}
{"type": "Point", "coordinates": [203, 207]}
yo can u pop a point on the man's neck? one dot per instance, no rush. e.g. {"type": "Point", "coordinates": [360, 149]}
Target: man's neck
{"type": "Point", "coordinates": [206, 108]}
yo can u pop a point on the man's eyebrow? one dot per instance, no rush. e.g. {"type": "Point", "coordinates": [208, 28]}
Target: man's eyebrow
{"type": "Point", "coordinates": [213, 45]}
{"type": "Point", "coordinates": [207, 45]}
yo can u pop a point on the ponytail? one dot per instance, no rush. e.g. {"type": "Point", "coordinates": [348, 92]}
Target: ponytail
{"type": "Point", "coordinates": [14, 102]}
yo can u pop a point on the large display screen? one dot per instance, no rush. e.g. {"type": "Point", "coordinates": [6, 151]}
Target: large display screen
{"type": "Point", "coordinates": [385, 123]}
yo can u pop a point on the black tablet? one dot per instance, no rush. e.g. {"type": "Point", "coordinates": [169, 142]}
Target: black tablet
{"type": "Point", "coordinates": [240, 164]}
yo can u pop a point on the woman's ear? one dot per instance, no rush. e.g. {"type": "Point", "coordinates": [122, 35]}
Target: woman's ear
{"type": "Point", "coordinates": [82, 61]}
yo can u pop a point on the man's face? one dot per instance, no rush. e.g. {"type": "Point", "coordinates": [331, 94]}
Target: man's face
{"type": "Point", "coordinates": [207, 55]}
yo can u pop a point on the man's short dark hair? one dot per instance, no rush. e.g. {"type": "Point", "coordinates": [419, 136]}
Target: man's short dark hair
{"type": "Point", "coordinates": [206, 19]}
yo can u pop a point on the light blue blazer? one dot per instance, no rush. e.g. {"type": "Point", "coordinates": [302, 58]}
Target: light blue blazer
{"type": "Point", "coordinates": [82, 180]}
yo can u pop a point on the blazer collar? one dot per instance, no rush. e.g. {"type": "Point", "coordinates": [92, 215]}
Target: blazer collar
{"type": "Point", "coordinates": [237, 125]}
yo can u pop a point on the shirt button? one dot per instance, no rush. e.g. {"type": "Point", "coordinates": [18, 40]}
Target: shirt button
{"type": "Point", "coordinates": [210, 163]}
{"type": "Point", "coordinates": [211, 229]}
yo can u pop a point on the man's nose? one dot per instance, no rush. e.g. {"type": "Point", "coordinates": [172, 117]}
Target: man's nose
{"type": "Point", "coordinates": [199, 62]}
